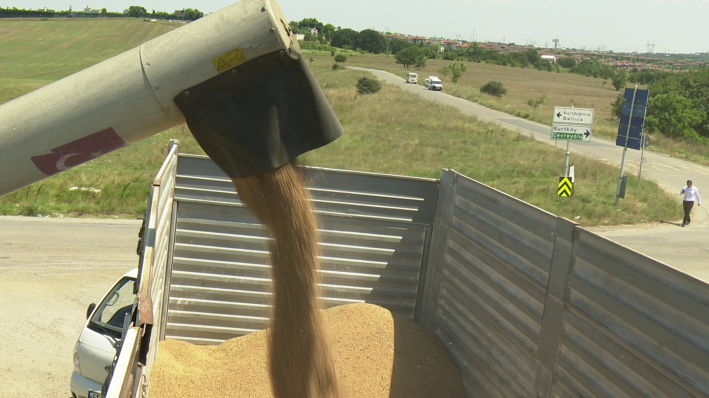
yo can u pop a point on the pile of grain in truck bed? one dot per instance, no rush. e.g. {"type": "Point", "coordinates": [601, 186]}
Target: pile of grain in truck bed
{"type": "Point", "coordinates": [376, 353]}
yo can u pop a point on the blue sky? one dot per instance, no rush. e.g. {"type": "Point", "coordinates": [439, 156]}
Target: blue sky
{"type": "Point", "coordinates": [618, 25]}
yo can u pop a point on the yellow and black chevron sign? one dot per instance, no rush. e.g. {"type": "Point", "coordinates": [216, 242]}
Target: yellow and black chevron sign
{"type": "Point", "coordinates": [566, 187]}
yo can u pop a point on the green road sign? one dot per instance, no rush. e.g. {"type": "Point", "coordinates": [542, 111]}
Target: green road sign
{"type": "Point", "coordinates": [571, 133]}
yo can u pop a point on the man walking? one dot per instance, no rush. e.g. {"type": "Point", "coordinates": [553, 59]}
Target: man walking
{"type": "Point", "coordinates": [691, 194]}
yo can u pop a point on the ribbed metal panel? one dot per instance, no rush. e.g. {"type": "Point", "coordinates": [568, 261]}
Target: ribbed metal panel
{"type": "Point", "coordinates": [334, 192]}
{"type": "Point", "coordinates": [632, 327]}
{"type": "Point", "coordinates": [489, 285]}
{"type": "Point", "coordinates": [374, 230]}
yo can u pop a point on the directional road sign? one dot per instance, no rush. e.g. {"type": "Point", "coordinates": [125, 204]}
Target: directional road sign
{"type": "Point", "coordinates": [566, 187]}
{"type": "Point", "coordinates": [573, 116]}
{"type": "Point", "coordinates": [637, 106]}
{"type": "Point", "coordinates": [633, 143]}
{"type": "Point", "coordinates": [570, 132]}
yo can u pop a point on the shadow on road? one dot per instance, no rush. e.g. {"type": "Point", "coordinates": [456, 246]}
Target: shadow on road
{"type": "Point", "coordinates": [669, 222]}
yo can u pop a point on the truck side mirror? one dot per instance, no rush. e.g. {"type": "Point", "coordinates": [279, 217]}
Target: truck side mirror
{"type": "Point", "coordinates": [91, 308]}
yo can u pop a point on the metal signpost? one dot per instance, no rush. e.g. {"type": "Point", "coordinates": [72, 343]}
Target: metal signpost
{"type": "Point", "coordinates": [630, 130]}
{"type": "Point", "coordinates": [571, 124]}
{"type": "Point", "coordinates": [644, 144]}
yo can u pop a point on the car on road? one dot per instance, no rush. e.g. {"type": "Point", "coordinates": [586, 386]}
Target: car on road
{"type": "Point", "coordinates": [95, 349]}
{"type": "Point", "coordinates": [433, 83]}
{"type": "Point", "coordinates": [412, 78]}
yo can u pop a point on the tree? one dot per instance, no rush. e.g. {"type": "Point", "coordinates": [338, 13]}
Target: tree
{"type": "Point", "coordinates": [104, 11]}
{"type": "Point", "coordinates": [620, 79]}
{"type": "Point", "coordinates": [410, 56]}
{"type": "Point", "coordinates": [370, 40]}
{"type": "Point", "coordinates": [543, 64]}
{"type": "Point", "coordinates": [455, 69]}
{"type": "Point", "coordinates": [396, 45]}
{"type": "Point", "coordinates": [137, 11]}
{"type": "Point", "coordinates": [673, 115]}
{"type": "Point", "coordinates": [566, 62]}
{"type": "Point", "coordinates": [694, 86]}
{"type": "Point", "coordinates": [328, 31]}
{"type": "Point", "coordinates": [193, 14]}
{"type": "Point", "coordinates": [344, 37]}
{"type": "Point", "coordinates": [532, 56]}
{"type": "Point", "coordinates": [445, 71]}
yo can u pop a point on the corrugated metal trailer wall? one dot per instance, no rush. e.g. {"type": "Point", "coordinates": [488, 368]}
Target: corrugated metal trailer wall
{"type": "Point", "coordinates": [375, 231]}
{"type": "Point", "coordinates": [531, 305]}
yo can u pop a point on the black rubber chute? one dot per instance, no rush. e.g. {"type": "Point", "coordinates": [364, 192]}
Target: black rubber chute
{"type": "Point", "coordinates": [259, 115]}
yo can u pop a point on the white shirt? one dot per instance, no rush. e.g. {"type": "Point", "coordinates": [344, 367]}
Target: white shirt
{"type": "Point", "coordinates": [690, 194]}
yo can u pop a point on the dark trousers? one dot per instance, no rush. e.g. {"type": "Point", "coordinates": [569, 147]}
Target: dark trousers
{"type": "Point", "coordinates": [687, 209]}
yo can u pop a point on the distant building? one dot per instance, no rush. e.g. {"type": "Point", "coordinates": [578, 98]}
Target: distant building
{"type": "Point", "coordinates": [89, 10]}
{"type": "Point", "coordinates": [45, 9]}
{"type": "Point", "coordinates": [549, 57]}
{"type": "Point", "coordinates": [453, 44]}
{"type": "Point", "coordinates": [180, 13]}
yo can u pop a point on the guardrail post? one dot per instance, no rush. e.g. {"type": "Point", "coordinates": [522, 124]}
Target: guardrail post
{"type": "Point", "coordinates": [554, 307]}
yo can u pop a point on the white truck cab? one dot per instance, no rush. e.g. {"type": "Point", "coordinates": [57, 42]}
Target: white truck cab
{"type": "Point", "coordinates": [96, 347]}
{"type": "Point", "coordinates": [412, 78]}
{"type": "Point", "coordinates": [433, 83]}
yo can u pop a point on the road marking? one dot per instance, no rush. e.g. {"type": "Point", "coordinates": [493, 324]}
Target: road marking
{"type": "Point", "coordinates": [698, 171]}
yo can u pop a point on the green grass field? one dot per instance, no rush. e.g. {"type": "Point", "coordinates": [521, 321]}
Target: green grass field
{"type": "Point", "coordinates": [35, 53]}
{"type": "Point", "coordinates": [389, 132]}
{"type": "Point", "coordinates": [561, 89]}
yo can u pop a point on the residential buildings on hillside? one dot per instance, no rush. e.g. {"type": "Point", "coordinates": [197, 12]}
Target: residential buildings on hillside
{"type": "Point", "coordinates": [616, 60]}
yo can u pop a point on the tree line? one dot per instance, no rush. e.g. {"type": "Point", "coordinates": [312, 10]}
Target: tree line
{"type": "Point", "coordinates": [133, 11]}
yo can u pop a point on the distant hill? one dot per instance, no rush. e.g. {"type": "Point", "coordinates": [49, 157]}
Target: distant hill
{"type": "Point", "coordinates": [34, 53]}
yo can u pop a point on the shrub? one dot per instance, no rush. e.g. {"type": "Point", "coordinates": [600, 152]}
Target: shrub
{"type": "Point", "coordinates": [494, 88]}
{"type": "Point", "coordinates": [337, 66]}
{"type": "Point", "coordinates": [367, 85]}
{"type": "Point", "coordinates": [534, 103]}
{"type": "Point", "coordinates": [340, 58]}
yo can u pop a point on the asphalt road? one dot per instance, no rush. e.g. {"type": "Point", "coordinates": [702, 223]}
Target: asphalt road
{"type": "Point", "coordinates": [51, 269]}
{"type": "Point", "coordinates": [684, 248]}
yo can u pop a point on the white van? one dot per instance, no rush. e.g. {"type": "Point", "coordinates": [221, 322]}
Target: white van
{"type": "Point", "coordinates": [96, 347]}
{"type": "Point", "coordinates": [433, 83]}
{"type": "Point", "coordinates": [412, 78]}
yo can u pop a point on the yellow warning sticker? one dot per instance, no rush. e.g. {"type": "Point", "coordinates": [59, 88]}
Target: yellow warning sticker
{"type": "Point", "coordinates": [229, 60]}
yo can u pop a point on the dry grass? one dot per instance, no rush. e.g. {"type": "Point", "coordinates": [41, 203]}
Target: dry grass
{"type": "Point", "coordinates": [389, 132]}
{"type": "Point", "coordinates": [395, 132]}
{"type": "Point", "coordinates": [561, 89]}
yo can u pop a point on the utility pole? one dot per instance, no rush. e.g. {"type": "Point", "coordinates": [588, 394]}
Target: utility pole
{"type": "Point", "coordinates": [556, 42]}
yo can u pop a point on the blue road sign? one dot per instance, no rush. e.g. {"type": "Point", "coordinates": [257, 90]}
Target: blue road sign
{"type": "Point", "coordinates": [641, 96]}
{"type": "Point", "coordinates": [635, 132]}
{"type": "Point", "coordinates": [633, 143]}
{"type": "Point", "coordinates": [638, 110]}
{"type": "Point", "coordinates": [636, 121]}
